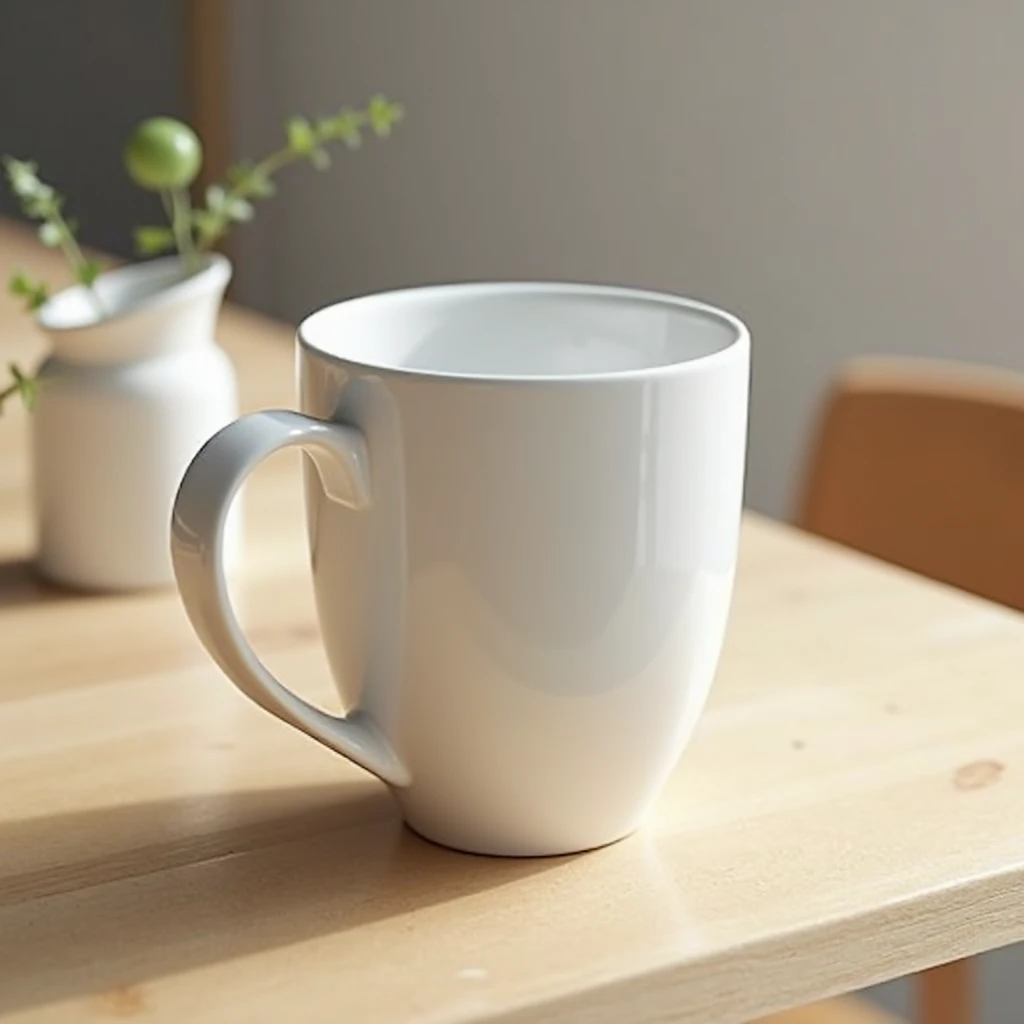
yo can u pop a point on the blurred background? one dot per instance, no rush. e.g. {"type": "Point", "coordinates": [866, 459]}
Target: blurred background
{"type": "Point", "coordinates": [847, 177]}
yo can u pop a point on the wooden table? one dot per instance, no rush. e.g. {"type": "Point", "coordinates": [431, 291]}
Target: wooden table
{"type": "Point", "coordinates": [849, 810]}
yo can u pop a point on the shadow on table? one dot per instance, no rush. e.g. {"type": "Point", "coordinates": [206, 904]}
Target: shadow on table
{"type": "Point", "coordinates": [108, 899]}
{"type": "Point", "coordinates": [21, 584]}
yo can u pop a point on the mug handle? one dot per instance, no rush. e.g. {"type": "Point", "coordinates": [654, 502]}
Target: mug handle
{"type": "Point", "coordinates": [197, 549]}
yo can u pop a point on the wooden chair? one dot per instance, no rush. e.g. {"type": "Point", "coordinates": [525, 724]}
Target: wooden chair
{"type": "Point", "coordinates": [921, 463]}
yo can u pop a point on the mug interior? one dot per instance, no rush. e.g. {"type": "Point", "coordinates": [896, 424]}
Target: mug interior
{"type": "Point", "coordinates": [520, 331]}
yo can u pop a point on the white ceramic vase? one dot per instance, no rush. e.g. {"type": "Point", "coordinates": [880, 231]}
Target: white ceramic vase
{"type": "Point", "coordinates": [125, 401]}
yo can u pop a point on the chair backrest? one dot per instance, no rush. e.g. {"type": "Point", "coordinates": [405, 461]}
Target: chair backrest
{"type": "Point", "coordinates": [921, 463]}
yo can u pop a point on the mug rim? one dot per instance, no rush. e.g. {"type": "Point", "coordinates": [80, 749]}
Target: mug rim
{"type": "Point", "coordinates": [740, 339]}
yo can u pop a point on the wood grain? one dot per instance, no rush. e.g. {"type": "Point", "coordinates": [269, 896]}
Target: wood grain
{"type": "Point", "coordinates": [169, 852]}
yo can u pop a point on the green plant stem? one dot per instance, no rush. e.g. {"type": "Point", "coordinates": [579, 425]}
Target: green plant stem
{"type": "Point", "coordinates": [74, 255]}
{"type": "Point", "coordinates": [165, 199]}
{"type": "Point", "coordinates": [267, 167]}
{"type": "Point", "coordinates": [231, 201]}
{"type": "Point", "coordinates": [181, 225]}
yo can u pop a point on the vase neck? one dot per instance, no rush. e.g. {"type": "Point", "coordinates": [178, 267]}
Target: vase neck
{"type": "Point", "coordinates": [136, 312]}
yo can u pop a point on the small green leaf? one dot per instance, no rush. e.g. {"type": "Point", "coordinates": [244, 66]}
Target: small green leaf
{"type": "Point", "coordinates": [41, 205]}
{"type": "Point", "coordinates": [347, 126]}
{"type": "Point", "coordinates": [24, 385]}
{"type": "Point", "coordinates": [209, 226]}
{"type": "Point", "coordinates": [38, 200]}
{"type": "Point", "coordinates": [384, 114]}
{"type": "Point", "coordinates": [29, 391]}
{"type": "Point", "coordinates": [88, 272]}
{"type": "Point", "coordinates": [21, 175]}
{"type": "Point", "coordinates": [215, 197]}
{"type": "Point", "coordinates": [152, 239]}
{"type": "Point", "coordinates": [237, 173]}
{"type": "Point", "coordinates": [320, 159]}
{"type": "Point", "coordinates": [261, 186]}
{"type": "Point", "coordinates": [35, 293]}
{"type": "Point", "coordinates": [301, 137]}
{"type": "Point", "coordinates": [19, 284]}
{"type": "Point", "coordinates": [238, 209]}
{"type": "Point", "coordinates": [49, 234]}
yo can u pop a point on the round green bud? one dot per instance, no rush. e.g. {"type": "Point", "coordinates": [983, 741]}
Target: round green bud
{"type": "Point", "coordinates": [163, 153]}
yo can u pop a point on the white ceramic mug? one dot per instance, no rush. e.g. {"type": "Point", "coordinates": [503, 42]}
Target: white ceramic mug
{"type": "Point", "coordinates": [523, 505]}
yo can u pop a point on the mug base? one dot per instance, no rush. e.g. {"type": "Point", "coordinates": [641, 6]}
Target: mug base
{"type": "Point", "coordinates": [515, 848]}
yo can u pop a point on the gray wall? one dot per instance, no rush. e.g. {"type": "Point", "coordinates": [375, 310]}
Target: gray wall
{"type": "Point", "coordinates": [847, 176]}
{"type": "Point", "coordinates": [75, 77]}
